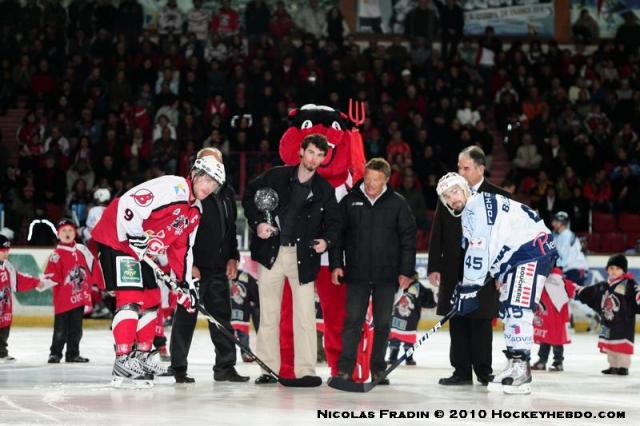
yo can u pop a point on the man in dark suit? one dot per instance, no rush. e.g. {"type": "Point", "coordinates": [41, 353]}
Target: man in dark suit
{"type": "Point", "coordinates": [472, 335]}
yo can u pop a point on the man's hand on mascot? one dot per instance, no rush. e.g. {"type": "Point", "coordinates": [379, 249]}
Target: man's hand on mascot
{"type": "Point", "coordinates": [320, 246]}
{"type": "Point", "coordinates": [265, 231]}
{"type": "Point", "coordinates": [404, 282]}
{"type": "Point", "coordinates": [232, 269]}
{"type": "Point", "coordinates": [337, 276]}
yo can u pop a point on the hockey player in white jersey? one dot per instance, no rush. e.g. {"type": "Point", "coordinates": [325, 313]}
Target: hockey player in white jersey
{"type": "Point", "coordinates": [506, 240]}
{"type": "Point", "coordinates": [570, 256]}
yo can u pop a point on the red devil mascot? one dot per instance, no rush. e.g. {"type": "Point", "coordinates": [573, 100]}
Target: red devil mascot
{"type": "Point", "coordinates": [343, 166]}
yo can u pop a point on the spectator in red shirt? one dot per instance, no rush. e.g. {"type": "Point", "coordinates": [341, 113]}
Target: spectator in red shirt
{"type": "Point", "coordinates": [597, 190]}
{"type": "Point", "coordinates": [226, 22]}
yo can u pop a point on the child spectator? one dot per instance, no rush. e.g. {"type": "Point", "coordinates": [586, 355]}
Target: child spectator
{"type": "Point", "coordinates": [550, 321]}
{"type": "Point", "coordinates": [74, 270]}
{"type": "Point", "coordinates": [406, 314]}
{"type": "Point", "coordinates": [10, 281]}
{"type": "Point", "coordinates": [617, 300]}
{"type": "Point", "coordinates": [245, 305]}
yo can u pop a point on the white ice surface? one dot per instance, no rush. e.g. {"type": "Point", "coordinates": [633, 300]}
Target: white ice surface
{"type": "Point", "coordinates": [34, 392]}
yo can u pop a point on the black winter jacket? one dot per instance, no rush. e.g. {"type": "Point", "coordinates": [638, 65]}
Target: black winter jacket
{"type": "Point", "coordinates": [378, 241]}
{"type": "Point", "coordinates": [318, 219]}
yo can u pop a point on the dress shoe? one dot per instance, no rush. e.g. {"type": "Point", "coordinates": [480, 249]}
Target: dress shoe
{"type": "Point", "coordinates": [77, 358]}
{"type": "Point", "coordinates": [384, 381]}
{"type": "Point", "coordinates": [610, 370]}
{"type": "Point", "coordinates": [410, 361]}
{"type": "Point", "coordinates": [623, 371]}
{"type": "Point", "coordinates": [484, 380]}
{"type": "Point", "coordinates": [229, 375]}
{"type": "Point", "coordinates": [539, 366]}
{"type": "Point", "coordinates": [183, 378]}
{"type": "Point", "coordinates": [54, 359]}
{"type": "Point", "coordinates": [455, 380]}
{"type": "Point", "coordinates": [266, 379]}
{"type": "Point", "coordinates": [556, 366]}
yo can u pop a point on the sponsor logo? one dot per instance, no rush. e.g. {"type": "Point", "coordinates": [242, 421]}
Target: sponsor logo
{"type": "Point", "coordinates": [143, 197]}
{"type": "Point", "coordinates": [516, 329]}
{"type": "Point", "coordinates": [491, 206]}
{"type": "Point", "coordinates": [180, 189]}
{"type": "Point", "coordinates": [523, 285]}
{"type": "Point", "coordinates": [54, 258]}
{"type": "Point", "coordinates": [357, 203]}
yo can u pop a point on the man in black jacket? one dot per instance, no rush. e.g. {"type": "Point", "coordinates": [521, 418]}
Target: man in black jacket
{"type": "Point", "coordinates": [471, 335]}
{"type": "Point", "coordinates": [215, 262]}
{"type": "Point", "coordinates": [378, 241]}
{"type": "Point", "coordinates": [308, 223]}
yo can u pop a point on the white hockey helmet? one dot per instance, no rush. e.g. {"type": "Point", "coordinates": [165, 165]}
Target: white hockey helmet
{"type": "Point", "coordinates": [211, 167]}
{"type": "Point", "coordinates": [449, 181]}
{"type": "Point", "coordinates": [102, 195]}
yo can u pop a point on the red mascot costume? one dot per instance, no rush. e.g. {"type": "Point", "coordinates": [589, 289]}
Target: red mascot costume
{"type": "Point", "coordinates": [343, 166]}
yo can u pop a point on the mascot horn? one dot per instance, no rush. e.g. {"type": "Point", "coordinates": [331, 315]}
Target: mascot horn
{"type": "Point", "coordinates": [343, 166]}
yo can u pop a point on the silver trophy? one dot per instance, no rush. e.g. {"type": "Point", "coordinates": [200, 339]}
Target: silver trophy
{"type": "Point", "coordinates": [266, 200]}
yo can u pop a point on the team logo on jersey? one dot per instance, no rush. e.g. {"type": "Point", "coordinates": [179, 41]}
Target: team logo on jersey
{"type": "Point", "coordinates": [176, 212]}
{"type": "Point", "coordinates": [76, 277]}
{"type": "Point", "coordinates": [610, 306]}
{"type": "Point", "coordinates": [405, 305]}
{"type": "Point", "coordinates": [478, 243]}
{"type": "Point", "coordinates": [5, 298]}
{"type": "Point", "coordinates": [179, 224]}
{"type": "Point", "coordinates": [238, 292]}
{"type": "Point", "coordinates": [143, 197]}
{"type": "Point", "coordinates": [54, 258]}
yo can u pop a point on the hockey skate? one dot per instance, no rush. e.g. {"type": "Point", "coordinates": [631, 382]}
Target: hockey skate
{"type": "Point", "coordinates": [128, 373]}
{"type": "Point", "coordinates": [150, 362]}
{"type": "Point", "coordinates": [496, 384]}
{"type": "Point", "coordinates": [518, 381]}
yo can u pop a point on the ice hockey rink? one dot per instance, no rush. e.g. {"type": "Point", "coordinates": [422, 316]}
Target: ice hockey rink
{"type": "Point", "coordinates": [34, 392]}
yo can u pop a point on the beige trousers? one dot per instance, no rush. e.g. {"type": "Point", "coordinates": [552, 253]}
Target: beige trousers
{"type": "Point", "coordinates": [270, 286]}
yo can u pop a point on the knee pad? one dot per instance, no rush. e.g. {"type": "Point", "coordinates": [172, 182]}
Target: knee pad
{"type": "Point", "coordinates": [129, 310]}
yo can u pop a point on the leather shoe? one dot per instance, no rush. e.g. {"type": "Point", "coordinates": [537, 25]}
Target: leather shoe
{"type": "Point", "coordinates": [485, 380]}
{"type": "Point", "coordinates": [610, 370]}
{"type": "Point", "coordinates": [229, 375]}
{"type": "Point", "coordinates": [183, 378]}
{"type": "Point", "coordinates": [455, 380]}
{"type": "Point", "coordinates": [266, 379]}
{"type": "Point", "coordinates": [77, 358]}
{"type": "Point", "coordinates": [383, 382]}
{"type": "Point", "coordinates": [54, 359]}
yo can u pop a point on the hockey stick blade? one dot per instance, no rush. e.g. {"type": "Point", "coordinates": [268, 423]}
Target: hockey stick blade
{"type": "Point", "coordinates": [349, 386]}
{"type": "Point", "coordinates": [303, 382]}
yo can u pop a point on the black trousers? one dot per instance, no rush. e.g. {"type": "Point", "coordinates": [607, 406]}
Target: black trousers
{"type": "Point", "coordinates": [67, 329]}
{"type": "Point", "coordinates": [215, 297]}
{"type": "Point", "coordinates": [471, 340]}
{"type": "Point", "coordinates": [558, 353]}
{"type": "Point", "coordinates": [357, 303]}
{"type": "Point", "coordinates": [4, 336]}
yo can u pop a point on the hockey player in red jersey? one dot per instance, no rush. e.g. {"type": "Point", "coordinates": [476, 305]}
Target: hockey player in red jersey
{"type": "Point", "coordinates": [157, 217]}
{"type": "Point", "coordinates": [74, 270]}
{"type": "Point", "coordinates": [10, 281]}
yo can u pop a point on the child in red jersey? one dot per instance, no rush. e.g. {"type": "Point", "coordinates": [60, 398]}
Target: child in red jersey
{"type": "Point", "coordinates": [10, 281]}
{"type": "Point", "coordinates": [74, 270]}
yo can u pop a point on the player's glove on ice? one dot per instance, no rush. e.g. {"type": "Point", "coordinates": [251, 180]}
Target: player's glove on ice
{"type": "Point", "coordinates": [465, 299]}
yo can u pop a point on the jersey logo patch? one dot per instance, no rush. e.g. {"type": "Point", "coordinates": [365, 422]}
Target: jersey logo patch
{"type": "Point", "coordinates": [180, 189]}
{"type": "Point", "coordinates": [143, 197]}
{"type": "Point", "coordinates": [522, 293]}
{"type": "Point", "coordinates": [54, 258]}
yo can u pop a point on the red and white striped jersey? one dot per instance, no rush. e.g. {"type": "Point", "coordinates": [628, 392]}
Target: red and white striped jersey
{"type": "Point", "coordinates": [160, 208]}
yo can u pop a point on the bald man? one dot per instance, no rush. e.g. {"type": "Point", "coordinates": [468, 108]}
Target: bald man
{"type": "Point", "coordinates": [216, 259]}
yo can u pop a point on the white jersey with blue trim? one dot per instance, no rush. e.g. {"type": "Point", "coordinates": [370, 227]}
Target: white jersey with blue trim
{"type": "Point", "coordinates": [500, 233]}
{"type": "Point", "coordinates": [570, 255]}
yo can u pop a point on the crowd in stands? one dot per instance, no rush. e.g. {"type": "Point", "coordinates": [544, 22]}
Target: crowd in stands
{"type": "Point", "coordinates": [111, 104]}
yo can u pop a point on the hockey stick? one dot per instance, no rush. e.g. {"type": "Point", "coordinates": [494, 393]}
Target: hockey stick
{"type": "Point", "coordinates": [349, 386]}
{"type": "Point", "coordinates": [303, 382]}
